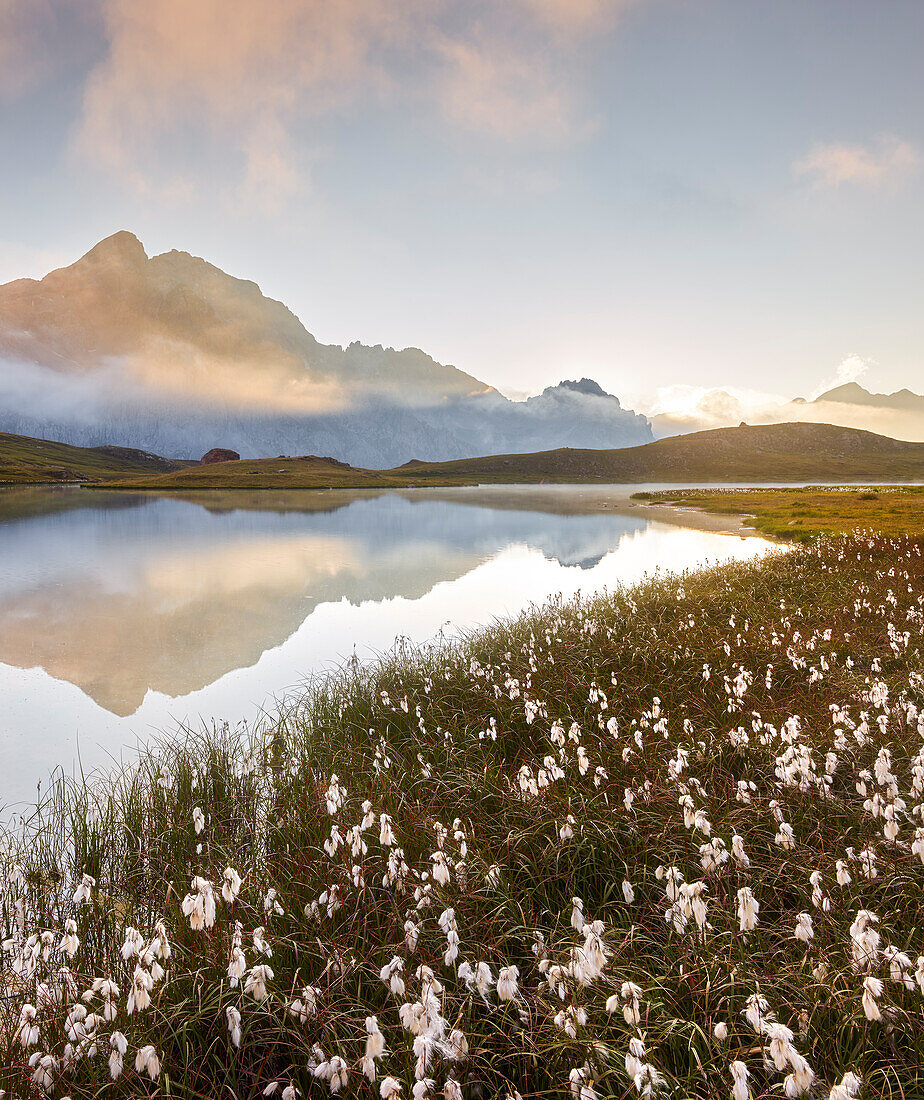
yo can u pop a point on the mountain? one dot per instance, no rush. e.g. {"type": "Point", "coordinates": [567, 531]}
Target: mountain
{"type": "Point", "coordinates": [170, 354]}
{"type": "Point", "coordinates": [775, 452]}
{"type": "Point", "coordinates": [851, 393]}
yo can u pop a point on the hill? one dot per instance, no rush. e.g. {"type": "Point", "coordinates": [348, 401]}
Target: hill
{"type": "Point", "coordinates": [170, 353]}
{"type": "Point", "coordinates": [302, 472]}
{"type": "Point", "coordinates": [25, 461]}
{"type": "Point", "coordinates": [775, 452]}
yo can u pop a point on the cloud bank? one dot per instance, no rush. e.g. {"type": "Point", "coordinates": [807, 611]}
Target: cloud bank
{"type": "Point", "coordinates": [253, 80]}
{"type": "Point", "coordinates": [681, 409]}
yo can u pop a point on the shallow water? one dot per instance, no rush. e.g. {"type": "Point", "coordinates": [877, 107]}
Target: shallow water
{"type": "Point", "coordinates": [121, 615]}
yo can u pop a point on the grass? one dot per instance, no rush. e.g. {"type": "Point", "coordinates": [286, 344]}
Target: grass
{"type": "Point", "coordinates": [803, 514]}
{"type": "Point", "coordinates": [261, 474]}
{"type": "Point", "coordinates": [773, 452]}
{"type": "Point", "coordinates": [776, 452]}
{"type": "Point", "coordinates": [28, 461]}
{"type": "Point", "coordinates": [557, 756]}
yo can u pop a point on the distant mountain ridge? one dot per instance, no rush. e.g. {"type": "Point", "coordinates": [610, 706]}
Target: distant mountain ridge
{"type": "Point", "coordinates": [852, 393]}
{"type": "Point", "coordinates": [584, 385]}
{"type": "Point", "coordinates": [170, 354]}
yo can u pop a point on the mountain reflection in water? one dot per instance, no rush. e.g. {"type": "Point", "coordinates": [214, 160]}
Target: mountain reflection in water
{"type": "Point", "coordinates": [123, 614]}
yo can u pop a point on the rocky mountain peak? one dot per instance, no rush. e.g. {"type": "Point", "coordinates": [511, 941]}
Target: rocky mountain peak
{"type": "Point", "coordinates": [585, 385]}
{"type": "Point", "coordinates": [122, 248]}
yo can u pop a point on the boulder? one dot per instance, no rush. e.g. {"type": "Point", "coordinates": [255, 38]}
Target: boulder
{"type": "Point", "coordinates": [219, 454]}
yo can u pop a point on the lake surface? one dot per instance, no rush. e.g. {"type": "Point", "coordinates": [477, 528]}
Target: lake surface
{"type": "Point", "coordinates": [124, 615]}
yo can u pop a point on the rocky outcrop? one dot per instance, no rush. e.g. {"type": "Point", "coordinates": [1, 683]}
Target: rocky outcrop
{"type": "Point", "coordinates": [219, 454]}
{"type": "Point", "coordinates": [146, 459]}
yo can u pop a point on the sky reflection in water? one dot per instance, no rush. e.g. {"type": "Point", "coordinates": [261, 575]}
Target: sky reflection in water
{"type": "Point", "coordinates": [120, 616]}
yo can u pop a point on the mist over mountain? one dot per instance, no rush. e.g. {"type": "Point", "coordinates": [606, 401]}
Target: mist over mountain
{"type": "Point", "coordinates": [899, 415]}
{"type": "Point", "coordinates": [170, 354]}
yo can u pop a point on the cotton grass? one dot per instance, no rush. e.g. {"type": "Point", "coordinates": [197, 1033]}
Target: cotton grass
{"type": "Point", "coordinates": [668, 841]}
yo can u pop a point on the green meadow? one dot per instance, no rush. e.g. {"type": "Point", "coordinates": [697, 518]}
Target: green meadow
{"type": "Point", "coordinates": [805, 513]}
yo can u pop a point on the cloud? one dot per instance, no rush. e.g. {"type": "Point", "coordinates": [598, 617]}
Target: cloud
{"type": "Point", "coordinates": [35, 392]}
{"type": "Point", "coordinates": [513, 71]}
{"type": "Point", "coordinates": [576, 16]}
{"type": "Point", "coordinates": [249, 85]}
{"type": "Point", "coordinates": [679, 409]}
{"type": "Point", "coordinates": [850, 369]}
{"type": "Point", "coordinates": [165, 391]}
{"type": "Point", "coordinates": [27, 31]}
{"type": "Point", "coordinates": [727, 404]}
{"type": "Point", "coordinates": [232, 72]}
{"type": "Point", "coordinates": [13, 66]}
{"type": "Point", "coordinates": [888, 160]}
{"type": "Point", "coordinates": [487, 87]}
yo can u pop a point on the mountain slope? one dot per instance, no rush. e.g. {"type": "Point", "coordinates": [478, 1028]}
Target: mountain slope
{"type": "Point", "coordinates": [172, 354]}
{"type": "Point", "coordinates": [26, 461]}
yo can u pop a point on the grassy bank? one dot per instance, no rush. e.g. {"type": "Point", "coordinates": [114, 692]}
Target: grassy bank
{"type": "Point", "coordinates": [28, 461]}
{"type": "Point", "coordinates": [411, 839]}
{"type": "Point", "coordinates": [804, 514]}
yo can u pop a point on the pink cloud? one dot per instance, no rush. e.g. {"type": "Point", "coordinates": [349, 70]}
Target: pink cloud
{"type": "Point", "coordinates": [576, 16]}
{"type": "Point", "coordinates": [26, 28]}
{"type": "Point", "coordinates": [240, 71]}
{"type": "Point", "coordinates": [487, 87]}
{"type": "Point", "coordinates": [888, 160]}
{"type": "Point", "coordinates": [246, 76]}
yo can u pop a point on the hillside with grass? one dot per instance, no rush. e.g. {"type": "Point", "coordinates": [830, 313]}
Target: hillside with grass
{"type": "Point", "coordinates": [302, 472]}
{"type": "Point", "coordinates": [778, 452]}
{"type": "Point", "coordinates": [28, 461]}
{"type": "Point", "coordinates": [774, 452]}
{"type": "Point", "coordinates": [666, 841]}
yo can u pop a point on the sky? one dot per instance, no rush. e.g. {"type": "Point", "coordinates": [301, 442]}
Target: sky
{"type": "Point", "coordinates": [668, 196]}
